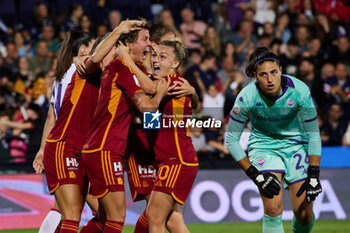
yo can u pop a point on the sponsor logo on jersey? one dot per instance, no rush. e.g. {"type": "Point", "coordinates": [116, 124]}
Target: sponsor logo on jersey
{"type": "Point", "coordinates": [236, 109]}
{"type": "Point", "coordinates": [261, 162]}
{"type": "Point", "coordinates": [241, 99]}
{"type": "Point", "coordinates": [258, 104]}
{"type": "Point", "coordinates": [151, 120]}
{"type": "Point", "coordinates": [290, 103]}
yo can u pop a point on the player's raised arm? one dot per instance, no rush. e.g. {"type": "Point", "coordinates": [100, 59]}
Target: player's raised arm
{"type": "Point", "coordinates": [107, 44]}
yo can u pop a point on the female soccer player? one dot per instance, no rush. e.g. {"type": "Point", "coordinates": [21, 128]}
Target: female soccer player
{"type": "Point", "coordinates": [66, 138]}
{"type": "Point", "coordinates": [60, 161]}
{"type": "Point", "coordinates": [105, 144]}
{"type": "Point", "coordinates": [175, 157]}
{"type": "Point", "coordinates": [139, 155]}
{"type": "Point", "coordinates": [284, 144]}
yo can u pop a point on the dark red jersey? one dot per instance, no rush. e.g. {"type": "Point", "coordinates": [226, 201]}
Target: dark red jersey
{"type": "Point", "coordinates": [109, 131]}
{"type": "Point", "coordinates": [172, 141]}
{"type": "Point", "coordinates": [77, 110]}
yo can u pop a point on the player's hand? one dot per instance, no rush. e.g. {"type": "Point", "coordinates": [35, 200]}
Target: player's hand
{"type": "Point", "coordinates": [123, 51]}
{"type": "Point", "coordinates": [38, 163]}
{"type": "Point", "coordinates": [79, 63]}
{"type": "Point", "coordinates": [311, 185]}
{"type": "Point", "coordinates": [266, 182]}
{"type": "Point", "coordinates": [182, 88]}
{"type": "Point", "coordinates": [163, 86]}
{"type": "Point", "coordinates": [127, 26]}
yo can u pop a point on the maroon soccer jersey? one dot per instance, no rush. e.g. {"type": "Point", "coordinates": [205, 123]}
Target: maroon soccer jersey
{"type": "Point", "coordinates": [77, 110]}
{"type": "Point", "coordinates": [109, 130]}
{"type": "Point", "coordinates": [172, 141]}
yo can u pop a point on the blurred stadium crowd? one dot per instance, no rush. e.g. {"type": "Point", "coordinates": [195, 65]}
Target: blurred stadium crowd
{"type": "Point", "coordinates": [311, 38]}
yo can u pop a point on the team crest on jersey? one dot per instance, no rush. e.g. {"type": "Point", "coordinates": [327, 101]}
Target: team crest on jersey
{"type": "Point", "coordinates": [261, 162]}
{"type": "Point", "coordinates": [236, 109]}
{"type": "Point", "coordinates": [290, 103]}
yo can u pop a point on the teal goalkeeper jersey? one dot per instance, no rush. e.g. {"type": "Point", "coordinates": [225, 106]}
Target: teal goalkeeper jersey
{"type": "Point", "coordinates": [285, 121]}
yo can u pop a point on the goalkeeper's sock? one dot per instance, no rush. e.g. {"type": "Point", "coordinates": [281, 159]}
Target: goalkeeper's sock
{"type": "Point", "coordinates": [299, 228]}
{"type": "Point", "coordinates": [272, 224]}
{"type": "Point", "coordinates": [51, 221]}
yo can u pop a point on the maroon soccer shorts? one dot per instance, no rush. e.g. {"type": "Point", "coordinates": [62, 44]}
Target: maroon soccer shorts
{"type": "Point", "coordinates": [139, 163]}
{"type": "Point", "coordinates": [141, 178]}
{"type": "Point", "coordinates": [175, 179]}
{"type": "Point", "coordinates": [62, 166]}
{"type": "Point", "coordinates": [105, 170]}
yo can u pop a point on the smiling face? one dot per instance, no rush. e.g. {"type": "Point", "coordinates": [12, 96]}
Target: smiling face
{"type": "Point", "coordinates": [164, 61]}
{"type": "Point", "coordinates": [139, 48]}
{"type": "Point", "coordinates": [268, 75]}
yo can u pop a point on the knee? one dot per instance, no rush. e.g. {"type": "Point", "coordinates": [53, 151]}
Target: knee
{"type": "Point", "coordinates": [153, 217]}
{"type": "Point", "coordinates": [175, 223]}
{"type": "Point", "coordinates": [275, 209]}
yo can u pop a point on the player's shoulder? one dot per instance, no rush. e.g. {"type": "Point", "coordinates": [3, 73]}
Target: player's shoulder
{"type": "Point", "coordinates": [296, 84]}
{"type": "Point", "coordinates": [176, 77]}
{"type": "Point", "coordinates": [118, 66]}
{"type": "Point", "coordinates": [250, 90]}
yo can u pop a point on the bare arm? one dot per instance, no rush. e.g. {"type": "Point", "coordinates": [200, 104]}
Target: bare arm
{"type": "Point", "coordinates": [147, 85]}
{"type": "Point", "coordinates": [38, 164]}
{"type": "Point", "coordinates": [143, 103]}
{"type": "Point", "coordinates": [107, 44]}
{"type": "Point", "coordinates": [17, 125]}
{"type": "Point", "coordinates": [244, 163]}
{"type": "Point", "coordinates": [219, 146]}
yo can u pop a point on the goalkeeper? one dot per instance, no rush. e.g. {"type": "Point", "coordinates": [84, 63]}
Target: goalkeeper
{"type": "Point", "coordinates": [285, 142]}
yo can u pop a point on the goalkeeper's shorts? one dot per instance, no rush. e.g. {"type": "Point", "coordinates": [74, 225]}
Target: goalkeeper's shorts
{"type": "Point", "coordinates": [292, 161]}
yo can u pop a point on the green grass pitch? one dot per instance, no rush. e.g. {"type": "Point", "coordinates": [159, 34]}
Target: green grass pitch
{"type": "Point", "coordinates": [321, 226]}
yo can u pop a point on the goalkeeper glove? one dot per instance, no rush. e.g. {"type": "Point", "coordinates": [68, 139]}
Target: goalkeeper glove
{"type": "Point", "coordinates": [266, 182]}
{"type": "Point", "coordinates": [312, 184]}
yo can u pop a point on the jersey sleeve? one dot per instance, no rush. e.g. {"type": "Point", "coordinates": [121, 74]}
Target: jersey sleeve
{"type": "Point", "coordinates": [127, 81]}
{"type": "Point", "coordinates": [309, 118]}
{"type": "Point", "coordinates": [238, 117]}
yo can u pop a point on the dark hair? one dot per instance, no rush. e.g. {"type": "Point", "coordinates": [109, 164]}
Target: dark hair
{"type": "Point", "coordinates": [258, 57]}
{"type": "Point", "coordinates": [308, 59]}
{"type": "Point", "coordinates": [157, 31]}
{"type": "Point", "coordinates": [209, 55]}
{"type": "Point", "coordinates": [132, 36]}
{"type": "Point", "coordinates": [70, 47]}
{"type": "Point", "coordinates": [293, 41]}
{"type": "Point", "coordinates": [36, 108]}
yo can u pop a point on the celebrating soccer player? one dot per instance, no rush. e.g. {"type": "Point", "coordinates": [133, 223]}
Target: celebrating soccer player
{"type": "Point", "coordinates": [285, 141]}
{"type": "Point", "coordinates": [139, 155]}
{"type": "Point", "coordinates": [106, 141]}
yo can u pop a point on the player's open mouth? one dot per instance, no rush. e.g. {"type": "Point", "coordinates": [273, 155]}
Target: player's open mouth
{"type": "Point", "coordinates": [270, 87]}
{"type": "Point", "coordinates": [156, 69]}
